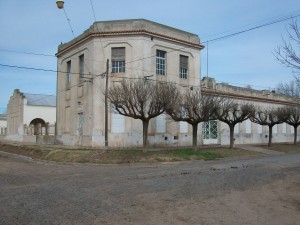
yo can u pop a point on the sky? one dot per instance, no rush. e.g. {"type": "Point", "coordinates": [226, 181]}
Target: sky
{"type": "Point", "coordinates": [246, 59]}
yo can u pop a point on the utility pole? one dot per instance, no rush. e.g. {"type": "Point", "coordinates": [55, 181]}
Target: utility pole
{"type": "Point", "coordinates": [207, 59]}
{"type": "Point", "coordinates": [106, 106]}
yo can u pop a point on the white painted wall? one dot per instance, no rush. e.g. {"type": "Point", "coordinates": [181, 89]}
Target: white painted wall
{"type": "Point", "coordinates": [47, 113]}
{"type": "Point", "coordinates": [3, 123]}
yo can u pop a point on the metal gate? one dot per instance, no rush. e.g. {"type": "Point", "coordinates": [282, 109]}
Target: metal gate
{"type": "Point", "coordinates": [210, 132]}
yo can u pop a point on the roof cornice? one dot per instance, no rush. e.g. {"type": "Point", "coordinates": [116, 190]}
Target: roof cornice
{"type": "Point", "coordinates": [94, 34]}
{"type": "Point", "coordinates": [247, 97]}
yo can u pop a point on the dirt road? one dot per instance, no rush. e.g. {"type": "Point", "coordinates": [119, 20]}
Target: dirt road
{"type": "Point", "coordinates": [263, 190]}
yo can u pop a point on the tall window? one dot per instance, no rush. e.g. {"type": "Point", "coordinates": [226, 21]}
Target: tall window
{"type": "Point", "coordinates": [160, 62]}
{"type": "Point", "coordinates": [69, 71]}
{"type": "Point", "coordinates": [183, 67]}
{"type": "Point", "coordinates": [81, 66]}
{"type": "Point", "coordinates": [118, 60]}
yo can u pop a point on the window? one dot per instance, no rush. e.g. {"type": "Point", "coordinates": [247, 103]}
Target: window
{"type": "Point", "coordinates": [259, 128]}
{"type": "Point", "coordinates": [81, 66]}
{"type": "Point", "coordinates": [210, 129]}
{"type": "Point", "coordinates": [275, 129]}
{"type": "Point", "coordinates": [183, 67]}
{"type": "Point", "coordinates": [67, 119]}
{"type": "Point", "coordinates": [292, 130]}
{"type": "Point", "coordinates": [117, 123]}
{"type": "Point", "coordinates": [183, 127]}
{"type": "Point", "coordinates": [248, 126]}
{"type": "Point", "coordinates": [284, 128]}
{"type": "Point", "coordinates": [69, 71]}
{"type": "Point", "coordinates": [118, 60]}
{"type": "Point", "coordinates": [161, 123]}
{"type": "Point", "coordinates": [160, 62]}
{"type": "Point", "coordinates": [237, 128]}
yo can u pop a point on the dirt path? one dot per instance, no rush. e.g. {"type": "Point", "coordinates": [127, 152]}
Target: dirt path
{"type": "Point", "coordinates": [252, 191]}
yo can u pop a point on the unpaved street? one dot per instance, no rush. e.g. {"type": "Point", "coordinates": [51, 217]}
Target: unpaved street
{"type": "Point", "coordinates": [251, 191]}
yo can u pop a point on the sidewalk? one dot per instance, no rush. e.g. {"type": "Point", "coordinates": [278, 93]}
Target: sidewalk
{"type": "Point", "coordinates": [259, 149]}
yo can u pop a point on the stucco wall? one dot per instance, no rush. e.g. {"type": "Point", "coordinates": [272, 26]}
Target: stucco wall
{"type": "Point", "coordinates": [87, 97]}
{"type": "Point", "coordinates": [47, 113]}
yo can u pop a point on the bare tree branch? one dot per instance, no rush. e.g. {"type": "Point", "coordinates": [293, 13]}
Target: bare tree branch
{"type": "Point", "coordinates": [141, 100]}
{"type": "Point", "coordinates": [293, 118]}
{"type": "Point", "coordinates": [291, 88]}
{"type": "Point", "coordinates": [286, 53]}
{"type": "Point", "coordinates": [194, 108]}
{"type": "Point", "coordinates": [232, 113]}
{"type": "Point", "coordinates": [269, 117]}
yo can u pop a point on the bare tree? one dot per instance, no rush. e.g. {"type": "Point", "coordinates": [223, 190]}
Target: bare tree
{"type": "Point", "coordinates": [140, 99]}
{"type": "Point", "coordinates": [286, 53]}
{"type": "Point", "coordinates": [194, 108]}
{"type": "Point", "coordinates": [269, 117]}
{"type": "Point", "coordinates": [291, 88]}
{"type": "Point", "coordinates": [232, 113]}
{"type": "Point", "coordinates": [293, 119]}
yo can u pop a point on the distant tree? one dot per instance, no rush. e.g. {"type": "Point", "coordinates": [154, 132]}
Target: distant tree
{"type": "Point", "coordinates": [194, 108]}
{"type": "Point", "coordinates": [269, 117]}
{"type": "Point", "coordinates": [141, 99]}
{"type": "Point", "coordinates": [291, 88]}
{"type": "Point", "coordinates": [232, 113]}
{"type": "Point", "coordinates": [287, 53]}
{"type": "Point", "coordinates": [293, 118]}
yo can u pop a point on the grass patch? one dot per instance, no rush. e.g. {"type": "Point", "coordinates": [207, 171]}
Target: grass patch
{"type": "Point", "coordinates": [286, 148]}
{"type": "Point", "coordinates": [122, 156]}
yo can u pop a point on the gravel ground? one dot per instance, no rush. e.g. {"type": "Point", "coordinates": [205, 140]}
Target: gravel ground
{"type": "Point", "coordinates": [264, 190]}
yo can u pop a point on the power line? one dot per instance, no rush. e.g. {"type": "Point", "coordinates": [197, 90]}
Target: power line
{"type": "Point", "coordinates": [101, 75]}
{"type": "Point", "coordinates": [253, 28]}
{"type": "Point", "coordinates": [207, 41]}
{"type": "Point", "coordinates": [45, 70]}
{"type": "Point", "coordinates": [285, 15]}
{"type": "Point", "coordinates": [93, 9]}
{"type": "Point", "coordinates": [27, 53]}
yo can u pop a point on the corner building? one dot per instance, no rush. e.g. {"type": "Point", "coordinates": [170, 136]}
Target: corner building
{"type": "Point", "coordinates": [135, 49]}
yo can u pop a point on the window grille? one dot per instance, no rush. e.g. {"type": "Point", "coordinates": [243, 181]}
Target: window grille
{"type": "Point", "coordinates": [69, 71]}
{"type": "Point", "coordinates": [118, 60]}
{"type": "Point", "coordinates": [183, 67]}
{"type": "Point", "coordinates": [81, 66]}
{"type": "Point", "coordinates": [210, 129]}
{"type": "Point", "coordinates": [160, 62]}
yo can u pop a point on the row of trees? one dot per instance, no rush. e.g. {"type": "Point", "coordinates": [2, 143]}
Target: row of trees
{"type": "Point", "coordinates": [145, 100]}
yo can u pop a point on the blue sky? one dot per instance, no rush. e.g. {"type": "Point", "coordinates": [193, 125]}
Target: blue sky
{"type": "Point", "coordinates": [246, 59]}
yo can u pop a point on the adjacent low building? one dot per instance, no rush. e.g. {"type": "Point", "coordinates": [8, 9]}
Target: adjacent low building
{"type": "Point", "coordinates": [216, 132]}
{"type": "Point", "coordinates": [3, 123]}
{"type": "Point", "coordinates": [30, 115]}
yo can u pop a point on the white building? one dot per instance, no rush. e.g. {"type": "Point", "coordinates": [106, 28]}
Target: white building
{"type": "Point", "coordinates": [135, 49]}
{"type": "Point", "coordinates": [3, 124]}
{"type": "Point", "coordinates": [29, 115]}
{"type": "Point", "coordinates": [140, 49]}
{"type": "Point", "coordinates": [216, 132]}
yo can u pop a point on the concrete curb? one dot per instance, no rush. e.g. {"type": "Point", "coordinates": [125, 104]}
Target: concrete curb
{"type": "Point", "coordinates": [262, 150]}
{"type": "Point", "coordinates": [15, 156]}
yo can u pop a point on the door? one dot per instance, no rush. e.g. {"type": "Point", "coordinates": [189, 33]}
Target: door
{"type": "Point", "coordinates": [80, 127]}
{"type": "Point", "coordinates": [210, 132]}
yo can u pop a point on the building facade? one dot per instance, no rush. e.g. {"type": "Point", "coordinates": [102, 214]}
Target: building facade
{"type": "Point", "coordinates": [247, 132]}
{"type": "Point", "coordinates": [135, 49]}
{"type": "Point", "coordinates": [141, 49]}
{"type": "Point", "coordinates": [3, 123]}
{"type": "Point", "coordinates": [30, 115]}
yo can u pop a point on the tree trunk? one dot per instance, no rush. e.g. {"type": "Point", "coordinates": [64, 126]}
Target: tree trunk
{"type": "Point", "coordinates": [295, 135]}
{"type": "Point", "coordinates": [270, 136]}
{"type": "Point", "coordinates": [231, 128]}
{"type": "Point", "coordinates": [145, 135]}
{"type": "Point", "coordinates": [195, 130]}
